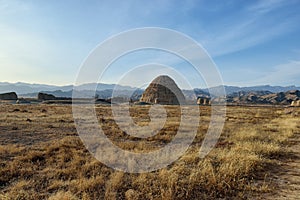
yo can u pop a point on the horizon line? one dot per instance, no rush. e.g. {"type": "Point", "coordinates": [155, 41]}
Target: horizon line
{"type": "Point", "coordinates": [107, 83]}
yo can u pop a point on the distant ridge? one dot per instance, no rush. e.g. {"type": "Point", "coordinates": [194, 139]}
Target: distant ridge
{"type": "Point", "coordinates": [27, 88]}
{"type": "Point", "coordinates": [106, 90]}
{"type": "Point", "coordinates": [264, 97]}
{"type": "Point", "coordinates": [234, 89]}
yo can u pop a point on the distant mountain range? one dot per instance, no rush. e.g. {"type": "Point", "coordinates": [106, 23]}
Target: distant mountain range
{"type": "Point", "coordinates": [233, 89]}
{"type": "Point", "coordinates": [106, 90]}
{"type": "Point", "coordinates": [264, 97]}
{"type": "Point", "coordinates": [26, 88]}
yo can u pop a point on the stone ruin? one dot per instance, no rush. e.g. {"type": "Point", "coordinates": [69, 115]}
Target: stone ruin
{"type": "Point", "coordinates": [203, 101]}
{"type": "Point", "coordinates": [9, 96]}
{"type": "Point", "coordinates": [163, 90]}
{"type": "Point", "coordinates": [44, 96]}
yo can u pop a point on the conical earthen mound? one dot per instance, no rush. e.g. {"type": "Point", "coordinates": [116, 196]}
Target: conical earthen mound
{"type": "Point", "coordinates": [163, 90]}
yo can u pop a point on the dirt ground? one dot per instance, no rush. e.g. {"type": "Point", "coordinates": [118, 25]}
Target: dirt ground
{"type": "Point", "coordinates": [287, 176]}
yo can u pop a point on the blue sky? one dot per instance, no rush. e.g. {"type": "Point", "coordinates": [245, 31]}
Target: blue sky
{"type": "Point", "coordinates": [252, 42]}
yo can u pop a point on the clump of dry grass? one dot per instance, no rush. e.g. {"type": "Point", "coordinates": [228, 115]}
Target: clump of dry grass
{"type": "Point", "coordinates": [62, 195]}
{"type": "Point", "coordinates": [56, 165]}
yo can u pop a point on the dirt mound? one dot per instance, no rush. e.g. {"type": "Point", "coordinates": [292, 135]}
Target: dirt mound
{"type": "Point", "coordinates": [163, 90]}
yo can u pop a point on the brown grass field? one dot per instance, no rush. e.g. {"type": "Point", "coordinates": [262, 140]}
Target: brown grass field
{"type": "Point", "coordinates": [42, 157]}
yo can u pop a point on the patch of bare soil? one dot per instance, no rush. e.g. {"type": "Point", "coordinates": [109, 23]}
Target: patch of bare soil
{"type": "Point", "coordinates": [287, 176]}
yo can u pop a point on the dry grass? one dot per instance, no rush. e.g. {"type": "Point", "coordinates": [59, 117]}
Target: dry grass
{"type": "Point", "coordinates": [43, 157]}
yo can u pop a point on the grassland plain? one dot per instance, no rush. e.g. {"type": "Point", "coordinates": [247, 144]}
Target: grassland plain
{"type": "Point", "coordinates": [42, 157]}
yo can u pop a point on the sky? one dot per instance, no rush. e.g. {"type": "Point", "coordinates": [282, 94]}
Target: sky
{"type": "Point", "coordinates": [251, 42]}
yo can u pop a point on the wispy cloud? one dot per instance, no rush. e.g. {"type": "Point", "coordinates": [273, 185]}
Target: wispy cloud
{"type": "Point", "coordinates": [284, 74]}
{"type": "Point", "coordinates": [264, 6]}
{"type": "Point", "coordinates": [252, 26]}
{"type": "Point", "coordinates": [47, 41]}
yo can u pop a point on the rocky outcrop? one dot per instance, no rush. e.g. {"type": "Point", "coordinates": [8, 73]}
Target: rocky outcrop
{"type": "Point", "coordinates": [284, 98]}
{"type": "Point", "coordinates": [44, 96]}
{"type": "Point", "coordinates": [295, 103]}
{"type": "Point", "coordinates": [163, 90]}
{"type": "Point", "coordinates": [8, 96]}
{"type": "Point", "coordinates": [265, 97]}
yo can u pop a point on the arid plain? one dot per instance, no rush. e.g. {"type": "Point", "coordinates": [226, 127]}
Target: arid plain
{"type": "Point", "coordinates": [42, 156]}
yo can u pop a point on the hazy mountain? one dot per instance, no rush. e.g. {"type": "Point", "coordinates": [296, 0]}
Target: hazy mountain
{"type": "Point", "coordinates": [105, 90]}
{"type": "Point", "coordinates": [102, 86]}
{"type": "Point", "coordinates": [193, 94]}
{"type": "Point", "coordinates": [234, 89]}
{"type": "Point", "coordinates": [26, 88]}
{"type": "Point", "coordinates": [103, 94]}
